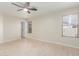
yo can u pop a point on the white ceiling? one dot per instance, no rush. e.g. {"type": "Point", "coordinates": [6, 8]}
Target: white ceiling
{"type": "Point", "coordinates": [43, 7]}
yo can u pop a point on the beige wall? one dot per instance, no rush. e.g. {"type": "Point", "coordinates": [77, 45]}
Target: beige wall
{"type": "Point", "coordinates": [1, 28]}
{"type": "Point", "coordinates": [11, 28]}
{"type": "Point", "coordinates": [48, 27]}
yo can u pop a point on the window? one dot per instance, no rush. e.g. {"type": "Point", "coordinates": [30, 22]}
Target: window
{"type": "Point", "coordinates": [70, 25]}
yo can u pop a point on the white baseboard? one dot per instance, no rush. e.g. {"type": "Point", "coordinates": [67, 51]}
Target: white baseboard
{"type": "Point", "coordinates": [55, 42]}
{"type": "Point", "coordinates": [10, 40]}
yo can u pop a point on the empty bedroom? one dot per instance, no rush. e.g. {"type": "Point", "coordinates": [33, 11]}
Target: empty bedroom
{"type": "Point", "coordinates": [39, 28]}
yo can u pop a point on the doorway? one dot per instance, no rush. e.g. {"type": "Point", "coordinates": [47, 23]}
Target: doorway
{"type": "Point", "coordinates": [24, 29]}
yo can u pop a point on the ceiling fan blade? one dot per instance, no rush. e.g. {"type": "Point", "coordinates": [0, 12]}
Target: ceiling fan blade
{"type": "Point", "coordinates": [17, 5]}
{"type": "Point", "coordinates": [34, 9]}
{"type": "Point", "coordinates": [19, 9]}
{"type": "Point", "coordinates": [27, 4]}
{"type": "Point", "coordinates": [28, 12]}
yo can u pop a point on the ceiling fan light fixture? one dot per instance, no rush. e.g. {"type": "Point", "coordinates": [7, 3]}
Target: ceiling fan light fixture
{"type": "Point", "coordinates": [25, 9]}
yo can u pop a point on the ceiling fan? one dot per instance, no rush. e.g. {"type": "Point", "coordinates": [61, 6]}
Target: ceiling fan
{"type": "Point", "coordinates": [26, 7]}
